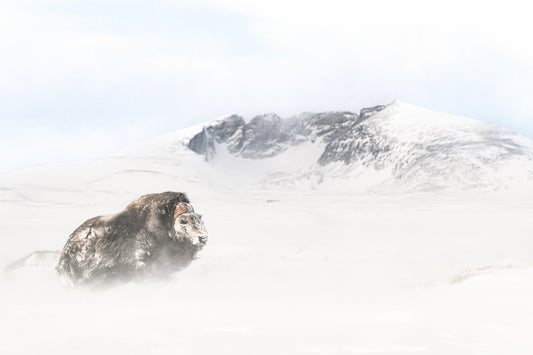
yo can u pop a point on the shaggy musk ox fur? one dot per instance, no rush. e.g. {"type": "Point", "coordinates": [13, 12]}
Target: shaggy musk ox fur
{"type": "Point", "coordinates": [155, 235]}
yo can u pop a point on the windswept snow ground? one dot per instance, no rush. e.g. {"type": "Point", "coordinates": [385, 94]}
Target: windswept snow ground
{"type": "Point", "coordinates": [286, 272]}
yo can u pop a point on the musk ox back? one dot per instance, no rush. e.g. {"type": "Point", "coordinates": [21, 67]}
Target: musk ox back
{"type": "Point", "coordinates": [155, 235]}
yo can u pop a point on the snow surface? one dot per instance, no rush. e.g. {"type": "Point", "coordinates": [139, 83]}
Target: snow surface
{"type": "Point", "coordinates": [308, 268]}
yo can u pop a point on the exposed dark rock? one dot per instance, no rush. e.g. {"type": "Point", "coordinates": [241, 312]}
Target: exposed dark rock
{"type": "Point", "coordinates": [226, 128]}
{"type": "Point", "coordinates": [154, 236]}
{"type": "Point", "coordinates": [262, 137]}
{"type": "Point", "coordinates": [218, 132]}
{"type": "Point", "coordinates": [202, 143]}
{"type": "Point", "coordinates": [353, 144]}
{"type": "Point", "coordinates": [330, 125]}
{"type": "Point", "coordinates": [268, 135]}
{"type": "Point", "coordinates": [369, 112]}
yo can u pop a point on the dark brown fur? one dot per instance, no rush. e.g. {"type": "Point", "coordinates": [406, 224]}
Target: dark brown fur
{"type": "Point", "coordinates": [137, 242]}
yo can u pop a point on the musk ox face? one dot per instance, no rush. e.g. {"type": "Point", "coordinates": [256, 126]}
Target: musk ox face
{"type": "Point", "coordinates": [188, 226]}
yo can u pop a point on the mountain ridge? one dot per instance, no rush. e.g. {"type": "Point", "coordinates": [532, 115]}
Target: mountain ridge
{"type": "Point", "coordinates": [421, 149]}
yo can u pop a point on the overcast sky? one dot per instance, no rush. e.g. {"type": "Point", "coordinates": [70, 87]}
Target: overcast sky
{"type": "Point", "coordinates": [80, 79]}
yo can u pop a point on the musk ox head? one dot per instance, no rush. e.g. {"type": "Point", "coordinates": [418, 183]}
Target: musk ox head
{"type": "Point", "coordinates": [188, 225]}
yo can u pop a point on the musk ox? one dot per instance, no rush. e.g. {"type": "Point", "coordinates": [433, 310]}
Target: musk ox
{"type": "Point", "coordinates": [155, 235]}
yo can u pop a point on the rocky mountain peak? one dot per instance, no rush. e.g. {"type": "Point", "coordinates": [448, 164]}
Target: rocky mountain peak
{"type": "Point", "coordinates": [268, 134]}
{"type": "Point", "coordinates": [414, 145]}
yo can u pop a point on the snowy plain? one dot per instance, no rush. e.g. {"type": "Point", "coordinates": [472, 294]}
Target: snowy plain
{"type": "Point", "coordinates": [315, 269]}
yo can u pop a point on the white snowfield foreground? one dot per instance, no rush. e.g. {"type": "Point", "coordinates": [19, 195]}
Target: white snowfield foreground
{"type": "Point", "coordinates": [413, 255]}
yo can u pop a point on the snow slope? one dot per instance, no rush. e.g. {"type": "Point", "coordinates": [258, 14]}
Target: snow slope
{"type": "Point", "coordinates": [315, 265]}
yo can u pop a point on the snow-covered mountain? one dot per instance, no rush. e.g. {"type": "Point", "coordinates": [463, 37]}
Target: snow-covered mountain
{"type": "Point", "coordinates": [392, 147]}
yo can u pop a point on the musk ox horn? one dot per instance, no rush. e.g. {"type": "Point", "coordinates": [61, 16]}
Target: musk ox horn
{"type": "Point", "coordinates": [182, 208]}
